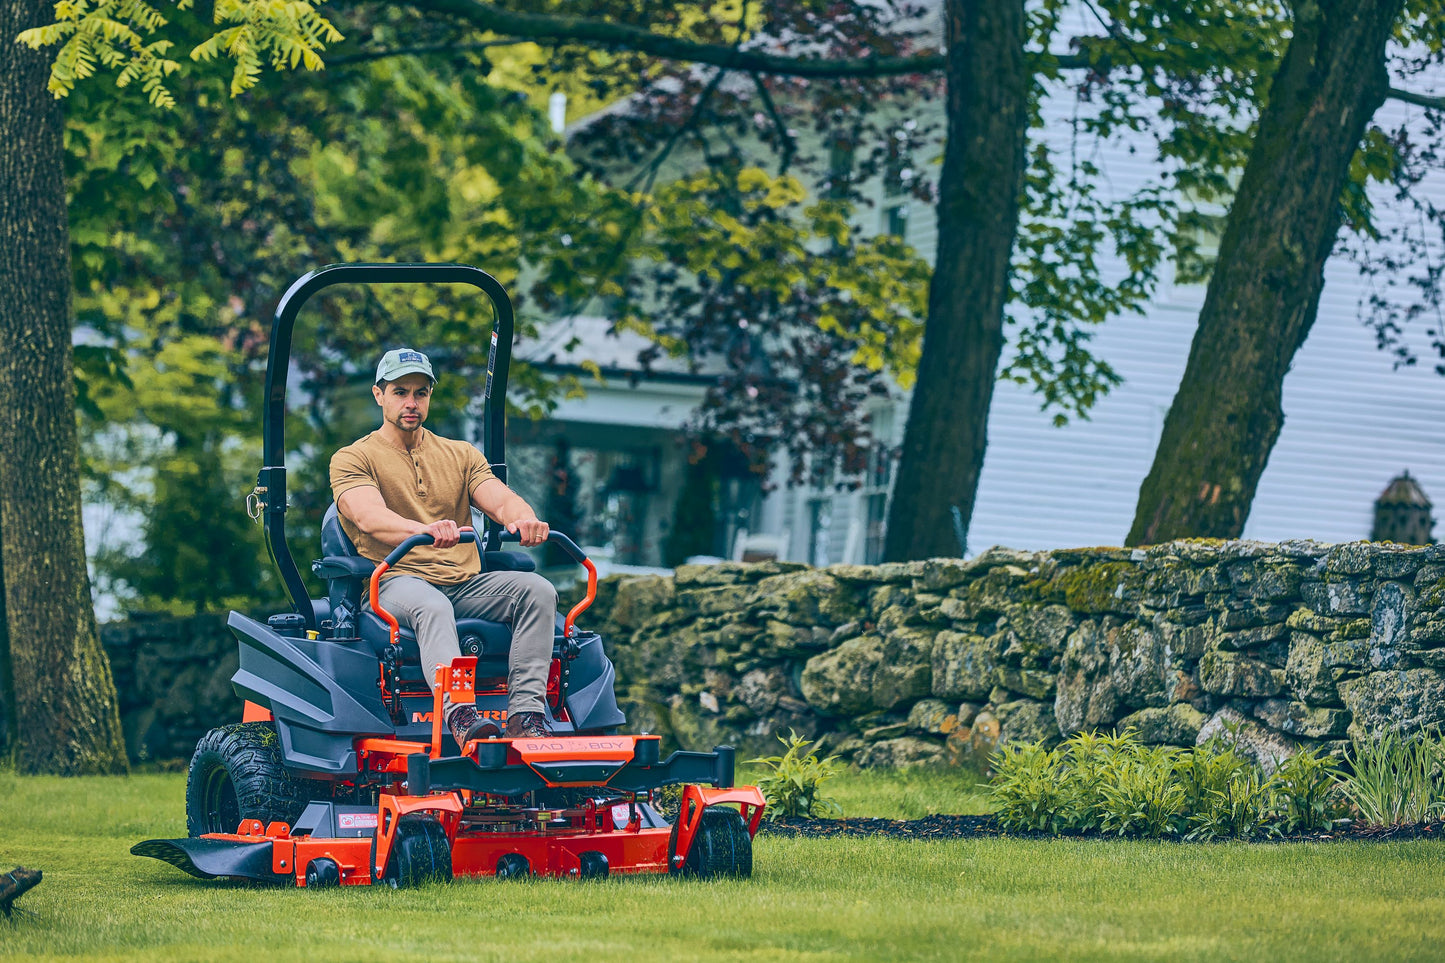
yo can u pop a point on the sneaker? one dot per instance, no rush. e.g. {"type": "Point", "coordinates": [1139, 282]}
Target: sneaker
{"type": "Point", "coordinates": [466, 725]}
{"type": "Point", "coordinates": [527, 725]}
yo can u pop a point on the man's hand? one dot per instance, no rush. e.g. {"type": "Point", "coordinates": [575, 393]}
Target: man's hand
{"type": "Point", "coordinates": [533, 532]}
{"type": "Point", "coordinates": [444, 533]}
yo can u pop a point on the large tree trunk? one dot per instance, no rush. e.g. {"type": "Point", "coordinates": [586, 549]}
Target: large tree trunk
{"type": "Point", "coordinates": [978, 211]}
{"type": "Point", "coordinates": [1266, 285]}
{"type": "Point", "coordinates": [7, 692]}
{"type": "Point", "coordinates": [66, 716]}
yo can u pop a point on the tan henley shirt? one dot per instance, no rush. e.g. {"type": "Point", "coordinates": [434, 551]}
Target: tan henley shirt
{"type": "Point", "coordinates": [433, 481]}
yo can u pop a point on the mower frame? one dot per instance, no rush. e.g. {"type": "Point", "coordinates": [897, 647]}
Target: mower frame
{"type": "Point", "coordinates": [576, 804]}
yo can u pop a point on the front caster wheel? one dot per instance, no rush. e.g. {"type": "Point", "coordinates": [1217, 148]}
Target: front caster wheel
{"type": "Point", "coordinates": [593, 865]}
{"type": "Point", "coordinates": [420, 853]}
{"type": "Point", "coordinates": [513, 866]}
{"type": "Point", "coordinates": [722, 846]}
{"type": "Point", "coordinates": [321, 873]}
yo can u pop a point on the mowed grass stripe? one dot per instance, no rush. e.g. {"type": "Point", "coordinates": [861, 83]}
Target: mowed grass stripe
{"type": "Point", "coordinates": [810, 899]}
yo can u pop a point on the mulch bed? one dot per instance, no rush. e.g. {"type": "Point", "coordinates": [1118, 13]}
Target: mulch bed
{"type": "Point", "coordinates": [973, 827]}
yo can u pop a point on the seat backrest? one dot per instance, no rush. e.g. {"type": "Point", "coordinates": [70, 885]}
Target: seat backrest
{"type": "Point", "coordinates": [334, 540]}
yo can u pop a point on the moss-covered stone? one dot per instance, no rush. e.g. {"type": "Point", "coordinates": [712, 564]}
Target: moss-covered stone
{"type": "Point", "coordinates": [1174, 725]}
{"type": "Point", "coordinates": [1110, 668]}
{"type": "Point", "coordinates": [1250, 638]}
{"type": "Point", "coordinates": [1025, 720]}
{"type": "Point", "coordinates": [1302, 721]}
{"type": "Point", "coordinates": [993, 593]}
{"type": "Point", "coordinates": [1032, 635]}
{"type": "Point", "coordinates": [726, 573]}
{"type": "Point", "coordinates": [1266, 747]}
{"type": "Point", "coordinates": [1266, 581]}
{"type": "Point", "coordinates": [964, 666]}
{"type": "Point", "coordinates": [901, 753]}
{"type": "Point", "coordinates": [807, 598]}
{"type": "Point", "coordinates": [888, 572]}
{"type": "Point", "coordinates": [1030, 682]}
{"type": "Point", "coordinates": [1338, 596]}
{"type": "Point", "coordinates": [870, 673]}
{"type": "Point", "coordinates": [1238, 615]}
{"type": "Point", "coordinates": [932, 717]}
{"type": "Point", "coordinates": [1306, 673]}
{"type": "Point", "coordinates": [1305, 620]}
{"type": "Point", "coordinates": [730, 600]}
{"type": "Point", "coordinates": [1405, 701]}
{"type": "Point", "coordinates": [941, 574]}
{"type": "Point", "coordinates": [1231, 674]}
{"type": "Point", "coordinates": [970, 747]}
{"type": "Point", "coordinates": [1389, 621]}
{"type": "Point", "coordinates": [638, 598]}
{"type": "Point", "coordinates": [1100, 588]}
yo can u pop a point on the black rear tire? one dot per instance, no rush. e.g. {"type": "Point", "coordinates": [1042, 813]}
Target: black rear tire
{"type": "Point", "coordinates": [722, 846]}
{"type": "Point", "coordinates": [420, 854]}
{"type": "Point", "coordinates": [237, 773]}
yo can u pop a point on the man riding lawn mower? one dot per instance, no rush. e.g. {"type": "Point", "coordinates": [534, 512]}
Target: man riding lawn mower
{"type": "Point", "coordinates": [431, 716]}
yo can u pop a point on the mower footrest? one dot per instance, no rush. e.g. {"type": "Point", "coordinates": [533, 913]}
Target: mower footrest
{"type": "Point", "coordinates": [462, 772]}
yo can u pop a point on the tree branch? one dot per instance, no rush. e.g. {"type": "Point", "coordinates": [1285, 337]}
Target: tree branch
{"type": "Point", "coordinates": [1419, 100]}
{"type": "Point", "coordinates": [438, 48]}
{"type": "Point", "coordinates": [557, 28]}
{"type": "Point", "coordinates": [787, 146]}
{"type": "Point", "coordinates": [650, 172]}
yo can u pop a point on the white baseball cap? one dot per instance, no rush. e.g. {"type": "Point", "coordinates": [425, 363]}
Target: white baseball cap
{"type": "Point", "coordinates": [403, 361]}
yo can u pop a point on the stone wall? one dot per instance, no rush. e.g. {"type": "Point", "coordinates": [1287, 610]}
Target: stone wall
{"type": "Point", "coordinates": [939, 661]}
{"type": "Point", "coordinates": [173, 676]}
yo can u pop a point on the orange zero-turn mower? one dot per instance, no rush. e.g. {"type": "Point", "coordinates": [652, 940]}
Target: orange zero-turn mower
{"type": "Point", "coordinates": [340, 771]}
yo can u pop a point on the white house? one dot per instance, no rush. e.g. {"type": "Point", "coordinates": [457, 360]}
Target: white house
{"type": "Point", "coordinates": [1353, 422]}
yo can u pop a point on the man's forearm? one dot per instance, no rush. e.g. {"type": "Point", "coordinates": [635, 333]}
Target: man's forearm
{"type": "Point", "coordinates": [392, 529]}
{"type": "Point", "coordinates": [370, 514]}
{"type": "Point", "coordinates": [501, 503]}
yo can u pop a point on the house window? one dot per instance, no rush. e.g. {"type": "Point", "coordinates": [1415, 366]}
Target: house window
{"type": "Point", "coordinates": [875, 497]}
{"type": "Point", "coordinates": [895, 219]}
{"type": "Point", "coordinates": [820, 525]}
{"type": "Point", "coordinates": [840, 168]}
{"type": "Point", "coordinates": [898, 168]}
{"type": "Point", "coordinates": [875, 518]}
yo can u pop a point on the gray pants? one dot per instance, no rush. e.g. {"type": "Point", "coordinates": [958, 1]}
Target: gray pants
{"type": "Point", "coordinates": [524, 600]}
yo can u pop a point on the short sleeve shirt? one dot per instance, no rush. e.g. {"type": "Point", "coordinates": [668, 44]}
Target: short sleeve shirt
{"type": "Point", "coordinates": [430, 482]}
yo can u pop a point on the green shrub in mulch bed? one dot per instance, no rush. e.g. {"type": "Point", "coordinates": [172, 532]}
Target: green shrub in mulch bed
{"type": "Point", "coordinates": [1115, 785]}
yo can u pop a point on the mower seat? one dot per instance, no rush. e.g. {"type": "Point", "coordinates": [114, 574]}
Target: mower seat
{"type": "Point", "coordinates": [348, 576]}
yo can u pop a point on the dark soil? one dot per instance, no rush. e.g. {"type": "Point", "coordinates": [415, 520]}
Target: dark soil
{"type": "Point", "coordinates": [968, 827]}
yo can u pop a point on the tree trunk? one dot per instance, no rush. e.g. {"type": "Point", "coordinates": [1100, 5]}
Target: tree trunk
{"type": "Point", "coordinates": [978, 211]}
{"type": "Point", "coordinates": [7, 691]}
{"type": "Point", "coordinates": [1265, 290]}
{"type": "Point", "coordinates": [66, 716]}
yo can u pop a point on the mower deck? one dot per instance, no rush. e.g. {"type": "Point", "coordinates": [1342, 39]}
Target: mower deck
{"type": "Point", "coordinates": [484, 804]}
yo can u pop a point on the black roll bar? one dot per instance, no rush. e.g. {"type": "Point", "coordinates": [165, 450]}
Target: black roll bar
{"type": "Point", "coordinates": [271, 480]}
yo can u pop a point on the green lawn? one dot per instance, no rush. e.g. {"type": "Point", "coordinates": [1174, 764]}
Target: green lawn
{"type": "Point", "coordinates": [836, 899]}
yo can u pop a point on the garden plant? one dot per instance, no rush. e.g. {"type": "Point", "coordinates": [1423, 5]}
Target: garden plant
{"type": "Point", "coordinates": [1117, 785]}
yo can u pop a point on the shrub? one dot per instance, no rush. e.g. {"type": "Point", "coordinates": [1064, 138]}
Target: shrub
{"type": "Point", "coordinates": [1245, 805]}
{"type": "Point", "coordinates": [1395, 780]}
{"type": "Point", "coordinates": [1309, 784]}
{"type": "Point", "coordinates": [1091, 759]}
{"type": "Point", "coordinates": [1207, 770]}
{"type": "Point", "coordinates": [794, 787]}
{"type": "Point", "coordinates": [1143, 796]}
{"type": "Point", "coordinates": [1115, 784]}
{"type": "Point", "coordinates": [1028, 789]}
